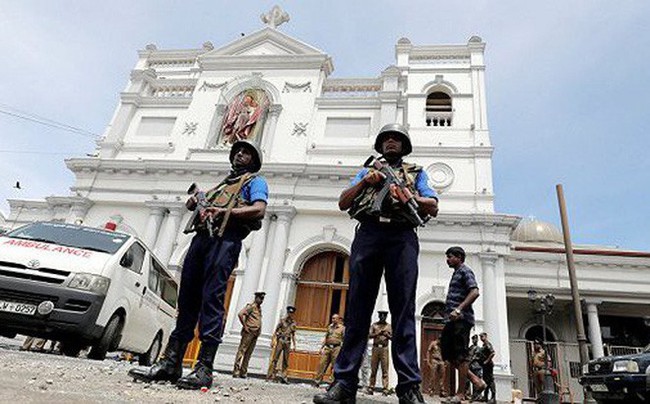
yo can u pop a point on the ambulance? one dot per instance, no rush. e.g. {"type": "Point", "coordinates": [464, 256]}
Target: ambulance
{"type": "Point", "coordinates": [85, 287]}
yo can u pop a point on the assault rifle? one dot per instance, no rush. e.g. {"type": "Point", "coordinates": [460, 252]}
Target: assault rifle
{"type": "Point", "coordinates": [201, 205]}
{"type": "Point", "coordinates": [392, 179]}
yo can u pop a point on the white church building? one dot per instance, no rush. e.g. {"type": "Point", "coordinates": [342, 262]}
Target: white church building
{"type": "Point", "coordinates": [182, 107]}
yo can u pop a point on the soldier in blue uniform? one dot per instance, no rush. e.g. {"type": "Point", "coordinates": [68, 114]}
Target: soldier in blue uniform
{"type": "Point", "coordinates": [385, 242]}
{"type": "Point", "coordinates": [239, 201]}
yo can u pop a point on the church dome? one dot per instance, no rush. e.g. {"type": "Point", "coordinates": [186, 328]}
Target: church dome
{"type": "Point", "coordinates": [536, 231]}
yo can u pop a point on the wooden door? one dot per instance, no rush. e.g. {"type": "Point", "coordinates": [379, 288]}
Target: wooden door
{"type": "Point", "coordinates": [430, 333]}
{"type": "Point", "coordinates": [321, 292]}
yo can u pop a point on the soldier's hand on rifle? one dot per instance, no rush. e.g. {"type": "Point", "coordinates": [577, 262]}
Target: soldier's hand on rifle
{"type": "Point", "coordinates": [373, 177]}
{"type": "Point", "coordinates": [402, 195]}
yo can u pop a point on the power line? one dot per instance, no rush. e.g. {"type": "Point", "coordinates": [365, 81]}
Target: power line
{"type": "Point", "coordinates": [45, 121]}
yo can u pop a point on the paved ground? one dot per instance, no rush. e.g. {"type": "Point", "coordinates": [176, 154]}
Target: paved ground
{"type": "Point", "coordinates": [29, 377]}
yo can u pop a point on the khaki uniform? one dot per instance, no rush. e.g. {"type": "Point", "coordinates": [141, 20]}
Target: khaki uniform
{"type": "Point", "coordinates": [331, 349]}
{"type": "Point", "coordinates": [539, 359]}
{"type": "Point", "coordinates": [284, 334]}
{"type": "Point", "coordinates": [253, 314]}
{"type": "Point", "coordinates": [438, 371]}
{"type": "Point", "coordinates": [381, 333]}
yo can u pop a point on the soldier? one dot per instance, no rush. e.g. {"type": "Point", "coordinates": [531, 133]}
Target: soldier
{"type": "Point", "coordinates": [474, 355]}
{"type": "Point", "coordinates": [239, 201]}
{"type": "Point", "coordinates": [385, 244]}
{"type": "Point", "coordinates": [487, 363]}
{"type": "Point", "coordinates": [283, 338]}
{"type": "Point", "coordinates": [381, 333]}
{"type": "Point", "coordinates": [331, 347]}
{"type": "Point", "coordinates": [438, 370]}
{"type": "Point", "coordinates": [250, 318]}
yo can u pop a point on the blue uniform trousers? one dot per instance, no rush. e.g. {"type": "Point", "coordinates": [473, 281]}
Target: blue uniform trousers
{"type": "Point", "coordinates": [206, 269]}
{"type": "Point", "coordinates": [379, 248]}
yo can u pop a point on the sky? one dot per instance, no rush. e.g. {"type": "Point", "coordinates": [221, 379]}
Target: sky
{"type": "Point", "coordinates": [567, 83]}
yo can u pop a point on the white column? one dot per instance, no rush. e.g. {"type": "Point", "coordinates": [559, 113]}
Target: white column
{"type": "Point", "coordinates": [595, 335]}
{"type": "Point", "coordinates": [154, 221]}
{"type": "Point", "coordinates": [489, 293]}
{"type": "Point", "coordinates": [495, 316]}
{"type": "Point", "coordinates": [273, 278]}
{"type": "Point", "coordinates": [167, 237]}
{"type": "Point", "coordinates": [251, 273]}
{"type": "Point", "coordinates": [267, 142]}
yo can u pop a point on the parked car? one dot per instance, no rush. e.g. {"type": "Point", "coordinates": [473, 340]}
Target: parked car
{"type": "Point", "coordinates": [85, 286]}
{"type": "Point", "coordinates": [623, 378]}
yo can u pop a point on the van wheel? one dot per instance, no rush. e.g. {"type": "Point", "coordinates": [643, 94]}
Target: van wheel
{"type": "Point", "coordinates": [111, 332]}
{"type": "Point", "coordinates": [148, 358]}
{"type": "Point", "coordinates": [70, 348]}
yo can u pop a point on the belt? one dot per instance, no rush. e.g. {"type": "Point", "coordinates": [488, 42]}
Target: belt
{"type": "Point", "coordinates": [380, 345]}
{"type": "Point", "coordinates": [332, 345]}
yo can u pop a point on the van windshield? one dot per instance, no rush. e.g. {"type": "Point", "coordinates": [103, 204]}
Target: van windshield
{"type": "Point", "coordinates": [70, 235]}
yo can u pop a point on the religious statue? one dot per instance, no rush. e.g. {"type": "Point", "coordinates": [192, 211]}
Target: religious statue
{"type": "Point", "coordinates": [244, 118]}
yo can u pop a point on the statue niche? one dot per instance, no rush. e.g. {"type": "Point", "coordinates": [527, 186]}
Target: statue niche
{"type": "Point", "coordinates": [244, 117]}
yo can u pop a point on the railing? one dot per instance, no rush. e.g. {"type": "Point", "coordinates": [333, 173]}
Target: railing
{"type": "Point", "coordinates": [438, 118]}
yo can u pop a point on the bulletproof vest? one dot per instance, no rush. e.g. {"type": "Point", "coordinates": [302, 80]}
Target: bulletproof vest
{"type": "Point", "coordinates": [390, 209]}
{"type": "Point", "coordinates": [221, 196]}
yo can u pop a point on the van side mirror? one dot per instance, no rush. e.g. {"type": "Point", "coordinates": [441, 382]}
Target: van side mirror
{"type": "Point", "coordinates": [127, 259]}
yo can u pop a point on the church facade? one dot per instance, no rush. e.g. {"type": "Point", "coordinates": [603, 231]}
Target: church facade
{"type": "Point", "coordinates": [180, 111]}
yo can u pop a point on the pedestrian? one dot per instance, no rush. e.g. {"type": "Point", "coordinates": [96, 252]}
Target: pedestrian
{"type": "Point", "coordinates": [487, 363]}
{"type": "Point", "coordinates": [459, 317]}
{"type": "Point", "coordinates": [381, 333]}
{"type": "Point", "coordinates": [284, 337]}
{"type": "Point", "coordinates": [236, 206]}
{"type": "Point", "coordinates": [385, 240]}
{"type": "Point", "coordinates": [250, 318]}
{"type": "Point", "coordinates": [330, 347]}
{"type": "Point", "coordinates": [439, 382]}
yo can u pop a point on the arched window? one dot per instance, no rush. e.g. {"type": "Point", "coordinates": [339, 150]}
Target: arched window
{"type": "Point", "coordinates": [322, 289]}
{"type": "Point", "coordinates": [438, 109]}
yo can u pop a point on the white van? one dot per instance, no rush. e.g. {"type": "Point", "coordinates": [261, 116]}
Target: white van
{"type": "Point", "coordinates": [85, 287]}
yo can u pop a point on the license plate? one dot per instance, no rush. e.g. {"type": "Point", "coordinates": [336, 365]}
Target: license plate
{"type": "Point", "coordinates": [598, 387]}
{"type": "Point", "coordinates": [19, 308]}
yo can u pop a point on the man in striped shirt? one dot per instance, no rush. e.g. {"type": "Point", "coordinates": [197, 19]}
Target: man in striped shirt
{"type": "Point", "coordinates": [459, 316]}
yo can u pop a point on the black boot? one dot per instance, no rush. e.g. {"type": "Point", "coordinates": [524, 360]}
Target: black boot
{"type": "Point", "coordinates": [336, 394]}
{"type": "Point", "coordinates": [412, 396]}
{"type": "Point", "coordinates": [168, 368]}
{"type": "Point", "coordinates": [201, 376]}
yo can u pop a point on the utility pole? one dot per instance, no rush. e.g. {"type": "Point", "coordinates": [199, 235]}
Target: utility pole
{"type": "Point", "coordinates": [575, 293]}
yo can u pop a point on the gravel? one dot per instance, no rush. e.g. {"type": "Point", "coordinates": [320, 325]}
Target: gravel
{"type": "Point", "coordinates": [30, 377]}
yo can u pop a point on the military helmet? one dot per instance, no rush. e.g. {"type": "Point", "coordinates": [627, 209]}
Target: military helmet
{"type": "Point", "coordinates": [398, 129]}
{"type": "Point", "coordinates": [255, 150]}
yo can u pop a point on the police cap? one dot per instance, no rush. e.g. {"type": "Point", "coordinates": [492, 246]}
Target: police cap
{"type": "Point", "coordinates": [291, 309]}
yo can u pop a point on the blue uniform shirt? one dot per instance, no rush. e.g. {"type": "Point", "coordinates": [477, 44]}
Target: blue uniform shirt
{"type": "Point", "coordinates": [256, 190]}
{"type": "Point", "coordinates": [462, 281]}
{"type": "Point", "coordinates": [421, 183]}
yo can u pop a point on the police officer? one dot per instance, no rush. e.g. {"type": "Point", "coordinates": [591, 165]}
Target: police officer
{"type": "Point", "coordinates": [330, 347]}
{"type": "Point", "coordinates": [250, 318]}
{"type": "Point", "coordinates": [383, 242]}
{"type": "Point", "coordinates": [240, 198]}
{"type": "Point", "coordinates": [283, 337]}
{"type": "Point", "coordinates": [438, 370]}
{"type": "Point", "coordinates": [381, 333]}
